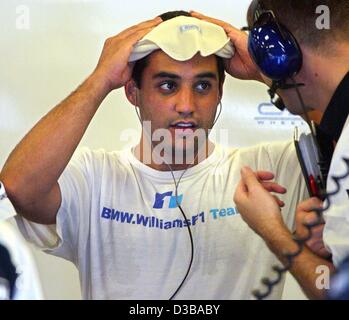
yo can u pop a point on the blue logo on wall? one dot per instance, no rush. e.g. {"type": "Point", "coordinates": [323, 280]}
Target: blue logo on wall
{"type": "Point", "coordinates": [160, 197]}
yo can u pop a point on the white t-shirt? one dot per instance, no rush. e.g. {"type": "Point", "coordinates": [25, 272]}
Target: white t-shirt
{"type": "Point", "coordinates": [120, 225]}
{"type": "Point", "coordinates": [27, 285]}
{"type": "Point", "coordinates": [336, 231]}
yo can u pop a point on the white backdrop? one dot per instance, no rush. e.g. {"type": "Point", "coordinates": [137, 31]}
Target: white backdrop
{"type": "Point", "coordinates": [47, 49]}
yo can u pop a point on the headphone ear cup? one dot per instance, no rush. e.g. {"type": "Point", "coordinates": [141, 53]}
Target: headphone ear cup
{"type": "Point", "coordinates": [275, 51]}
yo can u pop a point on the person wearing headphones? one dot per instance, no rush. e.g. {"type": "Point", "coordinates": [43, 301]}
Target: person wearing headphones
{"type": "Point", "coordinates": [307, 66]}
{"type": "Point", "coordinates": [156, 221]}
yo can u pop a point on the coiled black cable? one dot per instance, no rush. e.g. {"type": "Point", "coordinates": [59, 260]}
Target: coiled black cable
{"type": "Point", "coordinates": [301, 241]}
{"type": "Point", "coordinates": [270, 284]}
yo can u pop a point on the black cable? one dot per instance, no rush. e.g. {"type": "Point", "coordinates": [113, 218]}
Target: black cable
{"type": "Point", "coordinates": [182, 211]}
{"type": "Point", "coordinates": [188, 227]}
{"type": "Point", "coordinates": [178, 204]}
{"type": "Point", "coordinates": [301, 241]}
{"type": "Point", "coordinates": [307, 119]}
{"type": "Point", "coordinates": [191, 256]}
{"type": "Point", "coordinates": [185, 217]}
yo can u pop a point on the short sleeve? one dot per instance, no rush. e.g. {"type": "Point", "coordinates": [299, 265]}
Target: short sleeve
{"type": "Point", "coordinates": [280, 158]}
{"type": "Point", "coordinates": [62, 238]}
{"type": "Point", "coordinates": [288, 174]}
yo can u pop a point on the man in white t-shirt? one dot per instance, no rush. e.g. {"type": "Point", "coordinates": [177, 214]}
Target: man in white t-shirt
{"type": "Point", "coordinates": [157, 221]}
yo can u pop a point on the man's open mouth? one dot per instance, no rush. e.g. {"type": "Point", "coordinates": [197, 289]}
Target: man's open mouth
{"type": "Point", "coordinates": [184, 125]}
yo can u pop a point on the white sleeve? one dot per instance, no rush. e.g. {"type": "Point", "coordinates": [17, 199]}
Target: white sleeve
{"type": "Point", "coordinates": [336, 232]}
{"type": "Point", "coordinates": [62, 238]}
{"type": "Point", "coordinates": [288, 174]}
{"type": "Point", "coordinates": [281, 159]}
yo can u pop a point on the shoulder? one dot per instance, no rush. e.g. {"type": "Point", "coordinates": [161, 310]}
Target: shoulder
{"type": "Point", "coordinates": [277, 147]}
{"type": "Point", "coordinates": [86, 157]}
{"type": "Point", "coordinates": [266, 156]}
{"type": "Point", "coordinates": [90, 166]}
{"type": "Point", "coordinates": [270, 151]}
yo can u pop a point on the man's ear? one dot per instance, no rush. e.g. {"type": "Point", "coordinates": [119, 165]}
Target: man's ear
{"type": "Point", "coordinates": [131, 91]}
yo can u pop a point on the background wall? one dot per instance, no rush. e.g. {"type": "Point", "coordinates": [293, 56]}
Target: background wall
{"type": "Point", "coordinates": [47, 49]}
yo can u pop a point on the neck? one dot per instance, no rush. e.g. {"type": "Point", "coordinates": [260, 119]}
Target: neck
{"type": "Point", "coordinates": [324, 72]}
{"type": "Point", "coordinates": [144, 152]}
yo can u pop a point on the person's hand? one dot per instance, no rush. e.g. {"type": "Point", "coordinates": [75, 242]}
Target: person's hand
{"type": "Point", "coordinates": [240, 65]}
{"type": "Point", "coordinates": [113, 67]}
{"type": "Point", "coordinates": [257, 206]}
{"type": "Point", "coordinates": [305, 214]}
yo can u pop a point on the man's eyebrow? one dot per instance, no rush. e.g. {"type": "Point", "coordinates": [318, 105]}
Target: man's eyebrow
{"type": "Point", "coordinates": [169, 75]}
{"type": "Point", "coordinates": [211, 75]}
{"type": "Point", "coordinates": [166, 75]}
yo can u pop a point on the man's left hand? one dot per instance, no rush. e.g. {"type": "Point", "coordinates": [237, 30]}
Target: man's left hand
{"type": "Point", "coordinates": [257, 206]}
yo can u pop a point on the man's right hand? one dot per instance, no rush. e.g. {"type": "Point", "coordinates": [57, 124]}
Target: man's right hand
{"type": "Point", "coordinates": [113, 67]}
{"type": "Point", "coordinates": [32, 170]}
{"type": "Point", "coordinates": [240, 65]}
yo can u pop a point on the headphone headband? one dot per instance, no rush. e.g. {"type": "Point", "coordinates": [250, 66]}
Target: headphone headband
{"type": "Point", "coordinates": [258, 9]}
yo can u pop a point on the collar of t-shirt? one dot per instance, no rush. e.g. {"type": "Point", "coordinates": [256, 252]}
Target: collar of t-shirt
{"type": "Point", "coordinates": [337, 111]}
{"type": "Point", "coordinates": [166, 176]}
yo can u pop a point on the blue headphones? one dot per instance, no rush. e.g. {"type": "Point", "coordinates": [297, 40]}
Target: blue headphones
{"type": "Point", "coordinates": [272, 47]}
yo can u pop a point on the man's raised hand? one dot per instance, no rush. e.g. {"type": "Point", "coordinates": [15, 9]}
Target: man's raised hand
{"type": "Point", "coordinates": [113, 67]}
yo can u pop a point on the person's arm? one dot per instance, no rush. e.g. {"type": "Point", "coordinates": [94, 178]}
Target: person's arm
{"type": "Point", "coordinates": [262, 213]}
{"type": "Point", "coordinates": [307, 267]}
{"type": "Point", "coordinates": [31, 172]}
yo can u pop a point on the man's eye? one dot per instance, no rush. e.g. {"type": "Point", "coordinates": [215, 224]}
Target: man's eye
{"type": "Point", "coordinates": [203, 86]}
{"type": "Point", "coordinates": [168, 86]}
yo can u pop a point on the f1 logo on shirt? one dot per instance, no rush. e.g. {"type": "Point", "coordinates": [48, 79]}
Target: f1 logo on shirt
{"type": "Point", "coordinates": [160, 197]}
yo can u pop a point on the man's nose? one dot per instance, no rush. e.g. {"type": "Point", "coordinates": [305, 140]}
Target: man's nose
{"type": "Point", "coordinates": [185, 103]}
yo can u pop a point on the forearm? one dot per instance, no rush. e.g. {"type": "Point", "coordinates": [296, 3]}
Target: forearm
{"type": "Point", "coordinates": [304, 267]}
{"type": "Point", "coordinates": [35, 165]}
